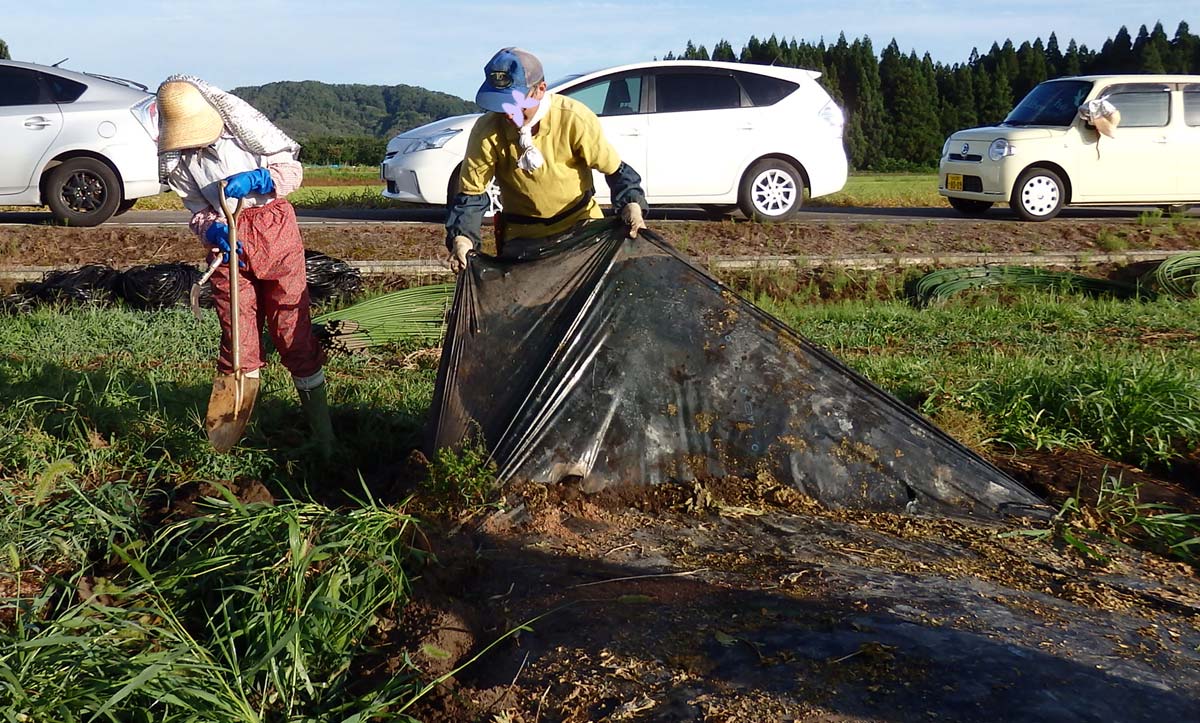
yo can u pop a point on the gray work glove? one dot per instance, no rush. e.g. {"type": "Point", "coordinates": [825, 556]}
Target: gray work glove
{"type": "Point", "coordinates": [458, 255]}
{"type": "Point", "coordinates": [631, 214]}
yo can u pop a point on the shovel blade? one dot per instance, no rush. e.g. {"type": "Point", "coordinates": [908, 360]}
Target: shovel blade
{"type": "Point", "coordinates": [226, 418]}
{"type": "Point", "coordinates": [194, 301]}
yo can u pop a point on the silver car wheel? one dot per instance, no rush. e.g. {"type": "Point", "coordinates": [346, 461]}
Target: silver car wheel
{"type": "Point", "coordinates": [773, 192]}
{"type": "Point", "coordinates": [1040, 195]}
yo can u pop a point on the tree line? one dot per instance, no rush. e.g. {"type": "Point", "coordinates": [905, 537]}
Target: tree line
{"type": "Point", "coordinates": [901, 107]}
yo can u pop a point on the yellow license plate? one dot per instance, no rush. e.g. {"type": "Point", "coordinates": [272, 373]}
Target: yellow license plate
{"type": "Point", "coordinates": [953, 181]}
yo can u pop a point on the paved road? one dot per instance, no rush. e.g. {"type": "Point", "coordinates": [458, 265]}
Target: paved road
{"type": "Point", "coordinates": [437, 215]}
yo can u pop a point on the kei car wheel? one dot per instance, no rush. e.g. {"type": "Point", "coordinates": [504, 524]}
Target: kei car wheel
{"type": "Point", "coordinates": [969, 206]}
{"type": "Point", "coordinates": [82, 192]}
{"type": "Point", "coordinates": [772, 190]}
{"type": "Point", "coordinates": [1038, 195]}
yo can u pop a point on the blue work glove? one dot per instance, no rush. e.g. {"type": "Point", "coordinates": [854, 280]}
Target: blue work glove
{"type": "Point", "coordinates": [240, 185]}
{"type": "Point", "coordinates": [218, 235]}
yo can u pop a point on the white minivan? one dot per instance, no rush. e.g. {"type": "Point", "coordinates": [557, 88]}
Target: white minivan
{"type": "Point", "coordinates": [714, 134]}
{"type": "Point", "coordinates": [1045, 156]}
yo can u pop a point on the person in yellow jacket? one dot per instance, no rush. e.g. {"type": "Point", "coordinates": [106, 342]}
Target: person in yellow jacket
{"type": "Point", "coordinates": [541, 148]}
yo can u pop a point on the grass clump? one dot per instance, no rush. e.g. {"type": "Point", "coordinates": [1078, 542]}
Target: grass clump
{"type": "Point", "coordinates": [1109, 240]}
{"type": "Point", "coordinates": [1118, 516]}
{"type": "Point", "coordinates": [460, 480]}
{"type": "Point", "coordinates": [243, 613]}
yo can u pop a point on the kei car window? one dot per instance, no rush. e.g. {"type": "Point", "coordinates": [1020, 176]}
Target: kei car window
{"type": "Point", "coordinates": [1054, 103]}
{"type": "Point", "coordinates": [19, 86]}
{"type": "Point", "coordinates": [621, 95]}
{"type": "Point", "coordinates": [63, 90]}
{"type": "Point", "coordinates": [677, 92]}
{"type": "Point", "coordinates": [765, 90]}
{"type": "Point", "coordinates": [1142, 105]}
{"type": "Point", "coordinates": [1191, 104]}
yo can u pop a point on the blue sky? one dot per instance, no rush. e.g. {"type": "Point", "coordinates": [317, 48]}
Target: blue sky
{"type": "Point", "coordinates": [443, 45]}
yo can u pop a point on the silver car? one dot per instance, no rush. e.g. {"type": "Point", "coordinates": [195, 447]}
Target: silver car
{"type": "Point", "coordinates": [85, 145]}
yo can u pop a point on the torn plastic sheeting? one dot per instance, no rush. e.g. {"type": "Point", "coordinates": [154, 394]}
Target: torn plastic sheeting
{"type": "Point", "coordinates": [618, 361]}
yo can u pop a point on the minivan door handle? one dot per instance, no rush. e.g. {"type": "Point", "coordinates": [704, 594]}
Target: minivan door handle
{"type": "Point", "coordinates": [1161, 140]}
{"type": "Point", "coordinates": [633, 133]}
{"type": "Point", "coordinates": [36, 123]}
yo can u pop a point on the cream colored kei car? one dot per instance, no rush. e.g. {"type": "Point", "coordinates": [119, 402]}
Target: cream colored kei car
{"type": "Point", "coordinates": [1045, 155]}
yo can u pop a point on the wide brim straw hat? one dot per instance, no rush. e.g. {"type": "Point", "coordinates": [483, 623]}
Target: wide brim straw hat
{"type": "Point", "coordinates": [186, 118]}
{"type": "Point", "coordinates": [1108, 124]}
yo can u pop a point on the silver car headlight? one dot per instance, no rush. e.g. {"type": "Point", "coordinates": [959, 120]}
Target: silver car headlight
{"type": "Point", "coordinates": [1001, 148]}
{"type": "Point", "coordinates": [436, 140]}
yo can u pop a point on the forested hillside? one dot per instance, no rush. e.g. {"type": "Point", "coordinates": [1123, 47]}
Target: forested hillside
{"type": "Point", "coordinates": [307, 109]}
{"type": "Point", "coordinates": [900, 107]}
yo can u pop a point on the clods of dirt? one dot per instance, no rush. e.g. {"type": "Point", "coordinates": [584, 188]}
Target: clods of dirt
{"type": "Point", "coordinates": [737, 601]}
{"type": "Point", "coordinates": [28, 245]}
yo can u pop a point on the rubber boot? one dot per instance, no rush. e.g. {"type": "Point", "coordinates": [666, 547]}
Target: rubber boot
{"type": "Point", "coordinates": [316, 408]}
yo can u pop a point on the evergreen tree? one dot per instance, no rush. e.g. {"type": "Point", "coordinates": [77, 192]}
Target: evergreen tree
{"type": "Point", "coordinates": [723, 50]}
{"type": "Point", "coordinates": [1183, 47]}
{"type": "Point", "coordinates": [997, 101]}
{"type": "Point", "coordinates": [1072, 61]}
{"type": "Point", "coordinates": [1031, 67]}
{"type": "Point", "coordinates": [916, 135]}
{"type": "Point", "coordinates": [4, 51]}
{"type": "Point", "coordinates": [869, 145]}
{"type": "Point", "coordinates": [1116, 55]}
{"type": "Point", "coordinates": [1054, 57]}
{"type": "Point", "coordinates": [1149, 61]}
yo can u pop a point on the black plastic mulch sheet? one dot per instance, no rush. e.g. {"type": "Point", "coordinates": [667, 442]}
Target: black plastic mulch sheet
{"type": "Point", "coordinates": [617, 361]}
{"type": "Point", "coordinates": [161, 286]}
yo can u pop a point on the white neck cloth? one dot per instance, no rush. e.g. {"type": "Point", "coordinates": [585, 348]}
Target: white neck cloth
{"type": "Point", "coordinates": [531, 158]}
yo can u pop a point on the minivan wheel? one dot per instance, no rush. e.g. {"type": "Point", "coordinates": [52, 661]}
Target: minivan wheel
{"type": "Point", "coordinates": [1038, 195]}
{"type": "Point", "coordinates": [82, 192]}
{"type": "Point", "coordinates": [772, 190]}
{"type": "Point", "coordinates": [969, 206]}
{"type": "Point", "coordinates": [493, 192]}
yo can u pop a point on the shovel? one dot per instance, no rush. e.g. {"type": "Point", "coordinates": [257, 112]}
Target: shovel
{"type": "Point", "coordinates": [233, 395]}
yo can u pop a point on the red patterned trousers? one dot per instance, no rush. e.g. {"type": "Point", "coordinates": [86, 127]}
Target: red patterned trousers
{"type": "Point", "coordinates": [272, 291]}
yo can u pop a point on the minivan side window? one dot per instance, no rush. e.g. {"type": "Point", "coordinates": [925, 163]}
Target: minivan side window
{"type": "Point", "coordinates": [63, 90]}
{"type": "Point", "coordinates": [677, 92]}
{"type": "Point", "coordinates": [1142, 105]}
{"type": "Point", "coordinates": [763, 89]}
{"type": "Point", "coordinates": [19, 86]}
{"type": "Point", "coordinates": [1191, 105]}
{"type": "Point", "coordinates": [620, 95]}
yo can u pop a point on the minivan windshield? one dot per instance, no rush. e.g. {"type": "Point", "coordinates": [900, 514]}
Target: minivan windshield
{"type": "Point", "coordinates": [1053, 103]}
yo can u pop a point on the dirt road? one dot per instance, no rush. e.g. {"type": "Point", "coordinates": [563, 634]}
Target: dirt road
{"type": "Point", "coordinates": [38, 245]}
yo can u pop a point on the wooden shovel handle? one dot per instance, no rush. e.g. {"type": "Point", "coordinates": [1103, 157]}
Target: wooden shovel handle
{"type": "Point", "coordinates": [231, 218]}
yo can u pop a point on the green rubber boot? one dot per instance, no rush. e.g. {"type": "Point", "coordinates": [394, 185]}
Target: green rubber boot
{"type": "Point", "coordinates": [316, 408]}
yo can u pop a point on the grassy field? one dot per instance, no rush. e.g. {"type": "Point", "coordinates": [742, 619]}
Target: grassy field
{"type": "Point", "coordinates": [359, 187]}
{"type": "Point", "coordinates": [117, 605]}
{"type": "Point", "coordinates": [886, 190]}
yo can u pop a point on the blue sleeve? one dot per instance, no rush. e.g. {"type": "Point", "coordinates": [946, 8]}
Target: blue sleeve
{"type": "Point", "coordinates": [466, 218]}
{"type": "Point", "coordinates": [625, 186]}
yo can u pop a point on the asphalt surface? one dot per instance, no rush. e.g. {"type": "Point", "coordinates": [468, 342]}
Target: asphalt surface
{"type": "Point", "coordinates": [437, 215]}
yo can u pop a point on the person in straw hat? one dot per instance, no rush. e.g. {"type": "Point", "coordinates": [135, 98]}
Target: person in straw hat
{"type": "Point", "coordinates": [207, 136]}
